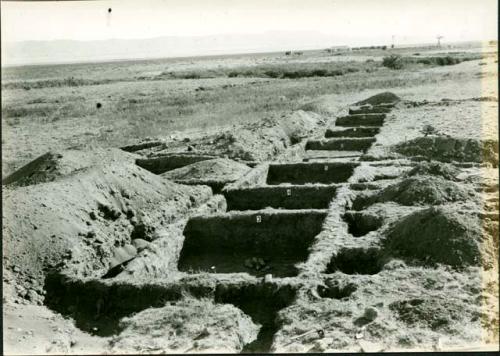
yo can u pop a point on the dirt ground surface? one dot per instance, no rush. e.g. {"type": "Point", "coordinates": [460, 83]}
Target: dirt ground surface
{"type": "Point", "coordinates": [243, 236]}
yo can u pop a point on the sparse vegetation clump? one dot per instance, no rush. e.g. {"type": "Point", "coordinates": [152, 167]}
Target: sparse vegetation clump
{"type": "Point", "coordinates": [290, 71]}
{"type": "Point", "coordinates": [393, 61]}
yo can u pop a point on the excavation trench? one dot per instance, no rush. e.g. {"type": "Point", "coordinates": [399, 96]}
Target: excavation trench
{"type": "Point", "coordinates": [262, 303]}
{"type": "Point", "coordinates": [310, 172]}
{"type": "Point", "coordinates": [284, 197]}
{"type": "Point", "coordinates": [158, 165]}
{"type": "Point", "coordinates": [353, 132]}
{"type": "Point", "coordinates": [258, 243]}
{"type": "Point", "coordinates": [341, 144]}
{"type": "Point", "coordinates": [215, 185]}
{"type": "Point", "coordinates": [361, 120]}
{"type": "Point", "coordinates": [97, 307]}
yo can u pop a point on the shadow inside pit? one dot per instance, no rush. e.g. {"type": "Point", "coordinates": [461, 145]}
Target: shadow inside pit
{"type": "Point", "coordinates": [336, 291]}
{"type": "Point", "coordinates": [96, 307]}
{"type": "Point", "coordinates": [357, 261]}
{"type": "Point", "coordinates": [262, 303]}
{"type": "Point", "coordinates": [360, 224]}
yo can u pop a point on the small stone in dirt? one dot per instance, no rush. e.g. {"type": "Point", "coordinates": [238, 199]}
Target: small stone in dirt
{"type": "Point", "coordinates": [370, 314]}
{"type": "Point", "coordinates": [140, 244]}
{"type": "Point", "coordinates": [93, 215]}
{"type": "Point", "coordinates": [91, 234]}
{"type": "Point", "coordinates": [187, 139]}
{"type": "Point", "coordinates": [130, 213]}
{"type": "Point", "coordinates": [190, 148]}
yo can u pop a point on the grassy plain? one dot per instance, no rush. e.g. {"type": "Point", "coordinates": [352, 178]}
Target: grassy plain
{"type": "Point", "coordinates": [56, 106]}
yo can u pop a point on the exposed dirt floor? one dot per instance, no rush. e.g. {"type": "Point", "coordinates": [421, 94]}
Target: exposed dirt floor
{"type": "Point", "coordinates": [350, 229]}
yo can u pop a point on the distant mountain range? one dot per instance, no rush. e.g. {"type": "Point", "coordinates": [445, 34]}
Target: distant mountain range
{"type": "Point", "coordinates": [69, 51]}
{"type": "Point", "coordinates": [72, 51]}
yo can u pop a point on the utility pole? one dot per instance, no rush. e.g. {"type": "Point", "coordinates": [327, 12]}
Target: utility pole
{"type": "Point", "coordinates": [439, 40]}
{"type": "Point", "coordinates": [392, 44]}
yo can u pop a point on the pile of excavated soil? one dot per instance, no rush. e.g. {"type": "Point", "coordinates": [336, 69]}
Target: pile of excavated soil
{"type": "Point", "coordinates": [448, 149]}
{"type": "Point", "coordinates": [445, 170]}
{"type": "Point", "coordinates": [258, 141]}
{"type": "Point", "coordinates": [300, 124]}
{"type": "Point", "coordinates": [382, 98]}
{"type": "Point", "coordinates": [440, 235]}
{"type": "Point", "coordinates": [220, 169]}
{"type": "Point", "coordinates": [187, 326]}
{"type": "Point", "coordinates": [49, 167]}
{"type": "Point", "coordinates": [419, 190]}
{"type": "Point", "coordinates": [85, 222]}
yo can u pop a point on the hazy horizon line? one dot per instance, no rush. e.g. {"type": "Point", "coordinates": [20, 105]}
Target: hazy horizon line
{"type": "Point", "coordinates": [213, 53]}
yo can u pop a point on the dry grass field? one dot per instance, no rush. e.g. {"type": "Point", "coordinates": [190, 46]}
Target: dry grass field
{"type": "Point", "coordinates": [55, 107]}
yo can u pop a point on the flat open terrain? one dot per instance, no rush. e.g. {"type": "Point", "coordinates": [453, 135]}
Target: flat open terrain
{"type": "Point", "coordinates": [55, 107]}
{"type": "Point", "coordinates": [312, 202]}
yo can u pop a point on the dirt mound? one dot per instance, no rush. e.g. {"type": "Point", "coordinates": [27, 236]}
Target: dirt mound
{"type": "Point", "coordinates": [222, 169]}
{"type": "Point", "coordinates": [80, 222]}
{"type": "Point", "coordinates": [190, 326]}
{"type": "Point", "coordinates": [49, 167]}
{"type": "Point", "coordinates": [445, 170]}
{"type": "Point", "coordinates": [299, 124]}
{"type": "Point", "coordinates": [257, 141]}
{"type": "Point", "coordinates": [439, 235]}
{"type": "Point", "coordinates": [448, 149]}
{"type": "Point", "coordinates": [418, 190]}
{"type": "Point", "coordinates": [425, 190]}
{"type": "Point", "coordinates": [382, 98]}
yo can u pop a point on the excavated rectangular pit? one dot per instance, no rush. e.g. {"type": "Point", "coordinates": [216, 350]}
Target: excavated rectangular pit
{"type": "Point", "coordinates": [285, 197]}
{"type": "Point", "coordinates": [361, 120]}
{"type": "Point", "coordinates": [261, 302]}
{"type": "Point", "coordinates": [231, 243]}
{"type": "Point", "coordinates": [353, 132]}
{"type": "Point", "coordinates": [341, 144]}
{"type": "Point", "coordinates": [168, 162]}
{"type": "Point", "coordinates": [310, 172]}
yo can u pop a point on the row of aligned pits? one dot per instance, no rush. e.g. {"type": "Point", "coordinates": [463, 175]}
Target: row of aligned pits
{"type": "Point", "coordinates": [272, 226]}
{"type": "Point", "coordinates": [254, 240]}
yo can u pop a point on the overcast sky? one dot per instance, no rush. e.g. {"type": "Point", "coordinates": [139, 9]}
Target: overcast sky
{"type": "Point", "coordinates": [373, 20]}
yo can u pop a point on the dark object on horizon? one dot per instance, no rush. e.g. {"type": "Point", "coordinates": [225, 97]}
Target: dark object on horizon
{"type": "Point", "coordinates": [109, 10]}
